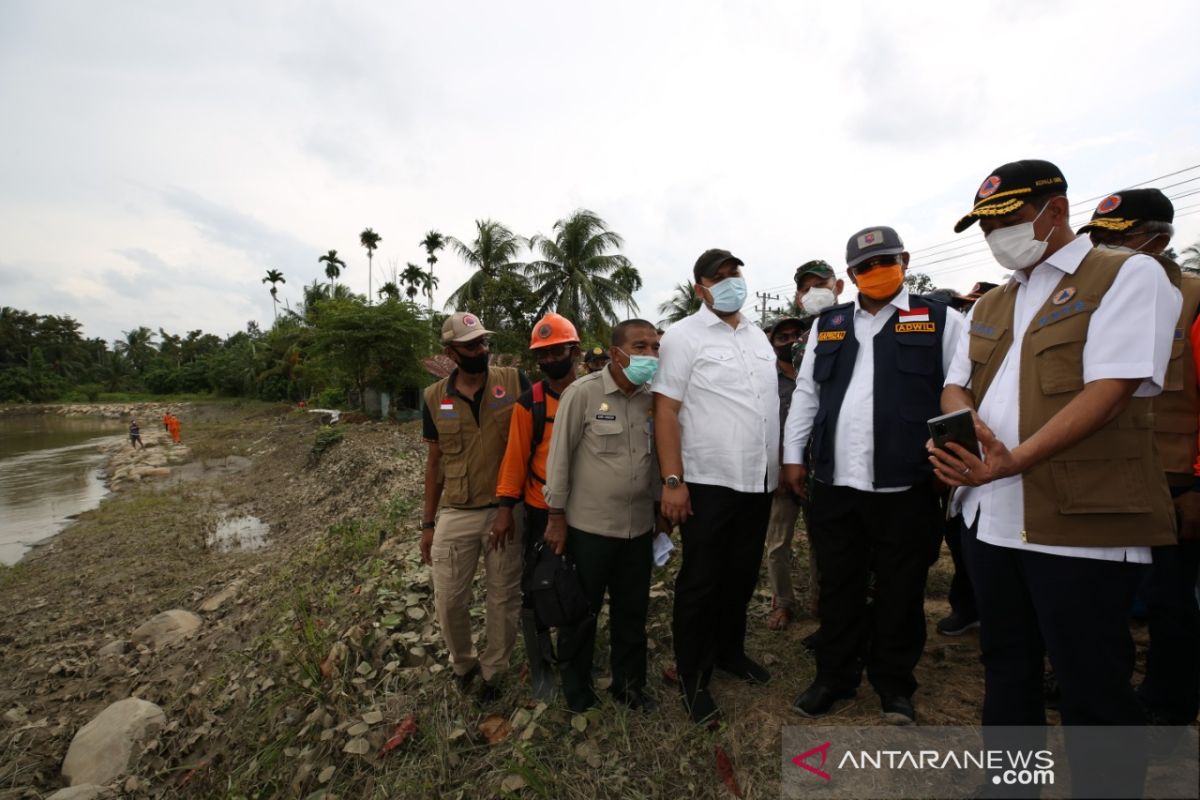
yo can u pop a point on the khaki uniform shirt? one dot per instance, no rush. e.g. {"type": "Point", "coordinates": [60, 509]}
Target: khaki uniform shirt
{"type": "Point", "coordinates": [601, 468]}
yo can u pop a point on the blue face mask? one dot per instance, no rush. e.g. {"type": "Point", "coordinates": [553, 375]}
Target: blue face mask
{"type": "Point", "coordinates": [641, 369]}
{"type": "Point", "coordinates": [729, 295]}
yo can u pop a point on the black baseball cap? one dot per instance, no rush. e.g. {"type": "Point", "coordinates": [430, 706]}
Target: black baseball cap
{"type": "Point", "coordinates": [1009, 186]}
{"type": "Point", "coordinates": [596, 354]}
{"type": "Point", "coordinates": [878, 240]}
{"type": "Point", "coordinates": [802, 324]}
{"type": "Point", "coordinates": [1125, 209]}
{"type": "Point", "coordinates": [711, 260]}
{"type": "Point", "coordinates": [816, 267]}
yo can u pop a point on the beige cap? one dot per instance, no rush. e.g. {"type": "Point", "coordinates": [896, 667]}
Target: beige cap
{"type": "Point", "coordinates": [462, 326]}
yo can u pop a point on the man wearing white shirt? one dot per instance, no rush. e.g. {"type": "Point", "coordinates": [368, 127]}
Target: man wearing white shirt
{"type": "Point", "coordinates": [1069, 496]}
{"type": "Point", "coordinates": [716, 427]}
{"type": "Point", "coordinates": [870, 378]}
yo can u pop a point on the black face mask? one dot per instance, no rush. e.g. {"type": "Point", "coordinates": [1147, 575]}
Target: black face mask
{"type": "Point", "coordinates": [784, 351]}
{"type": "Point", "coordinates": [473, 365]}
{"type": "Point", "coordinates": [556, 370]}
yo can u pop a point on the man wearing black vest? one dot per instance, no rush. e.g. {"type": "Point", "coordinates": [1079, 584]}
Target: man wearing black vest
{"type": "Point", "coordinates": [870, 378]}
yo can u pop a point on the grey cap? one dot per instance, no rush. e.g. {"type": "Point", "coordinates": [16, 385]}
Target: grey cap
{"type": "Point", "coordinates": [878, 240]}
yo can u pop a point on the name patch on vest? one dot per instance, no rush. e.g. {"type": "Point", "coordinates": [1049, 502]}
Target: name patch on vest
{"type": "Point", "coordinates": [916, 327]}
{"type": "Point", "coordinates": [1065, 311]}
{"type": "Point", "coordinates": [606, 417]}
{"type": "Point", "coordinates": [980, 329]}
{"type": "Point", "coordinates": [830, 336]}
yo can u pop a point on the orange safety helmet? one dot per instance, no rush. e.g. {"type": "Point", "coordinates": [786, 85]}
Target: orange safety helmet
{"type": "Point", "coordinates": [552, 329]}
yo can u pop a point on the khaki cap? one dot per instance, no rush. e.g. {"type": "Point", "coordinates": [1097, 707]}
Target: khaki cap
{"type": "Point", "coordinates": [462, 326]}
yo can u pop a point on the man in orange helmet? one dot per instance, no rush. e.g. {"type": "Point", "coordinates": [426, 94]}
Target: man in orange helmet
{"type": "Point", "coordinates": [555, 344]}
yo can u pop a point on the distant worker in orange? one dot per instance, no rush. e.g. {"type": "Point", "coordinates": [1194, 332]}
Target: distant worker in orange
{"type": "Point", "coordinates": [555, 345]}
{"type": "Point", "coordinates": [173, 427]}
{"type": "Point", "coordinates": [166, 422]}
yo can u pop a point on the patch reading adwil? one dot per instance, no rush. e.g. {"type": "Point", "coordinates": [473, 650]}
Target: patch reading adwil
{"type": "Point", "coordinates": [916, 327]}
{"type": "Point", "coordinates": [831, 336]}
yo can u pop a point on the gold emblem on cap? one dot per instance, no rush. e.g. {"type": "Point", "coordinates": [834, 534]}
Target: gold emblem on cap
{"type": "Point", "coordinates": [604, 406]}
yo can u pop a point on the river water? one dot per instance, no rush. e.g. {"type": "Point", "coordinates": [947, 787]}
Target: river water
{"type": "Point", "coordinates": [49, 472]}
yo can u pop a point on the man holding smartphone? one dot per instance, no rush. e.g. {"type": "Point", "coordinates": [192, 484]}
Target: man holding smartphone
{"type": "Point", "coordinates": [870, 378]}
{"type": "Point", "coordinates": [1069, 495]}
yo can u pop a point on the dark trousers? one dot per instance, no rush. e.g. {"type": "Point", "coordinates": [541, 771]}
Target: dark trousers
{"type": "Point", "coordinates": [961, 594]}
{"type": "Point", "coordinates": [1171, 689]}
{"type": "Point", "coordinates": [622, 568]}
{"type": "Point", "coordinates": [535, 529]}
{"type": "Point", "coordinates": [1077, 611]}
{"type": "Point", "coordinates": [894, 536]}
{"type": "Point", "coordinates": [722, 551]}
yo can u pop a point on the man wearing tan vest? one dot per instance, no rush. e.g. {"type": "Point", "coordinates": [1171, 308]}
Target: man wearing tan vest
{"type": "Point", "coordinates": [466, 423]}
{"type": "Point", "coordinates": [1140, 220]}
{"type": "Point", "coordinates": [1068, 497]}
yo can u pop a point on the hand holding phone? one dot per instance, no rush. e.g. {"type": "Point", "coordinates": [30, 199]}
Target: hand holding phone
{"type": "Point", "coordinates": [957, 427]}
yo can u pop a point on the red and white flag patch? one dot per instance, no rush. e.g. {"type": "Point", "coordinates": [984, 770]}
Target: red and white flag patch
{"type": "Point", "coordinates": [914, 315]}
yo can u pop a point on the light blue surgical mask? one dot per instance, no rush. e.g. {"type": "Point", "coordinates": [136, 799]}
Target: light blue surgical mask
{"type": "Point", "coordinates": [641, 369]}
{"type": "Point", "coordinates": [729, 295]}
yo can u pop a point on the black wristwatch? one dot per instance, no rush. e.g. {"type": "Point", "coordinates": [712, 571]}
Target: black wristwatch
{"type": "Point", "coordinates": [427, 525]}
{"type": "Point", "coordinates": [672, 481]}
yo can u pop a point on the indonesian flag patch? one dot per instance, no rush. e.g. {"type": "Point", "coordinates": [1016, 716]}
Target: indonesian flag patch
{"type": "Point", "coordinates": [914, 315]}
{"type": "Point", "coordinates": [447, 404]}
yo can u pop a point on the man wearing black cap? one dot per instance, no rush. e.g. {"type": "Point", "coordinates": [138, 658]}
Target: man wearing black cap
{"type": "Point", "coordinates": [817, 287]}
{"type": "Point", "coordinates": [716, 425]}
{"type": "Point", "coordinates": [785, 334]}
{"type": "Point", "coordinates": [1141, 220]}
{"type": "Point", "coordinates": [870, 378]}
{"type": "Point", "coordinates": [595, 360]}
{"type": "Point", "coordinates": [1068, 497]}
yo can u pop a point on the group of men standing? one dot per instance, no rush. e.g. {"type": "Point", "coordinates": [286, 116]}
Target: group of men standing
{"type": "Point", "coordinates": [1078, 372]}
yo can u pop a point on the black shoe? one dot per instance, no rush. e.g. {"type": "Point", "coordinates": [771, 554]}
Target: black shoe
{"type": "Point", "coordinates": [700, 707]}
{"type": "Point", "coordinates": [637, 700]}
{"type": "Point", "coordinates": [463, 682]}
{"type": "Point", "coordinates": [812, 641]}
{"type": "Point", "coordinates": [818, 699]}
{"type": "Point", "coordinates": [956, 624]}
{"type": "Point", "coordinates": [898, 709]}
{"type": "Point", "coordinates": [489, 693]}
{"type": "Point", "coordinates": [747, 669]}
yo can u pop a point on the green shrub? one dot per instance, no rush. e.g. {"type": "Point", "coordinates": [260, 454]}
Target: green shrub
{"type": "Point", "coordinates": [326, 438]}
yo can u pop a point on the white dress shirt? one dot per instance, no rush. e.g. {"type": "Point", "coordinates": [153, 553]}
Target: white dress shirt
{"type": "Point", "coordinates": [1129, 337]}
{"type": "Point", "coordinates": [854, 437]}
{"type": "Point", "coordinates": [729, 420]}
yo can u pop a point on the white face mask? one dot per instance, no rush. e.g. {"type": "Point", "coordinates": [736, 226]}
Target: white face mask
{"type": "Point", "coordinates": [1120, 248]}
{"type": "Point", "coordinates": [817, 299]}
{"type": "Point", "coordinates": [1016, 247]}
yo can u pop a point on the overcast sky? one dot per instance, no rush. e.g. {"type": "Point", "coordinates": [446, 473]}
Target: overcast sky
{"type": "Point", "coordinates": [157, 158]}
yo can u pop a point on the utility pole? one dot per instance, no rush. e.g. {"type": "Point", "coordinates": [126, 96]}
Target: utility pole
{"type": "Point", "coordinates": [763, 308]}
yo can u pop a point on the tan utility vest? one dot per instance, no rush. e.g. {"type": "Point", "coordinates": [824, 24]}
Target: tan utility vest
{"type": "Point", "coordinates": [1107, 490]}
{"type": "Point", "coordinates": [1176, 409]}
{"type": "Point", "coordinates": [471, 453]}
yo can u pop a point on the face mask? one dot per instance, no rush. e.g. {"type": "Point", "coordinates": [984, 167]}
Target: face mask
{"type": "Point", "coordinates": [641, 369]}
{"type": "Point", "coordinates": [728, 296]}
{"type": "Point", "coordinates": [473, 365]}
{"type": "Point", "coordinates": [1017, 247]}
{"type": "Point", "coordinates": [881, 283]}
{"type": "Point", "coordinates": [555, 370]}
{"type": "Point", "coordinates": [784, 351]}
{"type": "Point", "coordinates": [817, 300]}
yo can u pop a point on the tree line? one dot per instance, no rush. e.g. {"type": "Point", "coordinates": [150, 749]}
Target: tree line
{"type": "Point", "coordinates": [334, 344]}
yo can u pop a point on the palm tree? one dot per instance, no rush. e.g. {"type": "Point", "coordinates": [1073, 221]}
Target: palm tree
{"type": "Point", "coordinates": [629, 279]}
{"type": "Point", "coordinates": [137, 347]}
{"type": "Point", "coordinates": [574, 275]}
{"type": "Point", "coordinates": [413, 278]}
{"type": "Point", "coordinates": [274, 276]}
{"type": "Point", "coordinates": [1191, 258]}
{"type": "Point", "coordinates": [432, 242]}
{"type": "Point", "coordinates": [390, 290]}
{"type": "Point", "coordinates": [493, 254]}
{"type": "Point", "coordinates": [333, 266]}
{"type": "Point", "coordinates": [683, 303]}
{"type": "Point", "coordinates": [370, 240]}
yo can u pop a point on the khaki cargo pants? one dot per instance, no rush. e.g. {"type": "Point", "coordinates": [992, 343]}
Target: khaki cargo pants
{"type": "Point", "coordinates": [459, 538]}
{"type": "Point", "coordinates": [781, 528]}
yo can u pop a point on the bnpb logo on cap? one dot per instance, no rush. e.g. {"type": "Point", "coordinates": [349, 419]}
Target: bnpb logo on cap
{"type": "Point", "coordinates": [469, 320]}
{"type": "Point", "coordinates": [989, 186]}
{"type": "Point", "coordinates": [1109, 204]}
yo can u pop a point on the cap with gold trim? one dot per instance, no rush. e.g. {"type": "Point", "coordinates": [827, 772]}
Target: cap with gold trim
{"type": "Point", "coordinates": [1009, 186]}
{"type": "Point", "coordinates": [1123, 210]}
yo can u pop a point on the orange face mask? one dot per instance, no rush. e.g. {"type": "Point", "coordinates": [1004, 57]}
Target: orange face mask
{"type": "Point", "coordinates": [881, 283]}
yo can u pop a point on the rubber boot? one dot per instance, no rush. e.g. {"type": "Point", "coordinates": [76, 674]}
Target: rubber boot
{"type": "Point", "coordinates": [541, 670]}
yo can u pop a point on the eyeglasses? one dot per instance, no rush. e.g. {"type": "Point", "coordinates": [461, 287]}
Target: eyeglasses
{"type": "Point", "coordinates": [878, 261]}
{"type": "Point", "coordinates": [554, 353]}
{"type": "Point", "coordinates": [475, 346]}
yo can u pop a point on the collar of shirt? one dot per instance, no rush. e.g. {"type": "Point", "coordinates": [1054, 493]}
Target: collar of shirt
{"type": "Point", "coordinates": [611, 386]}
{"type": "Point", "coordinates": [900, 301]}
{"type": "Point", "coordinates": [709, 317]}
{"type": "Point", "coordinates": [1066, 259]}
